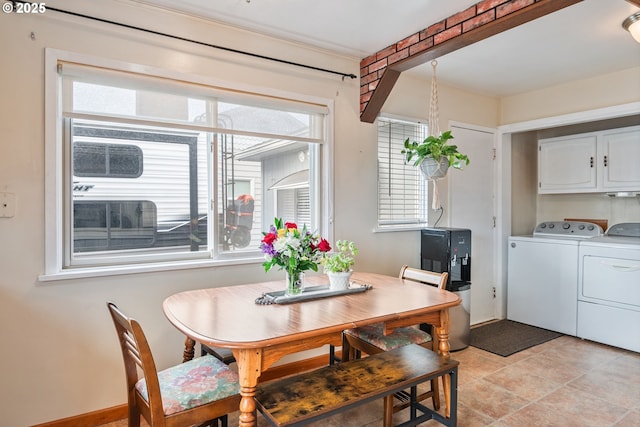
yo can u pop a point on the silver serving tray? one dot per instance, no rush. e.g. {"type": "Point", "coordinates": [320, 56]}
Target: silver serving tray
{"type": "Point", "coordinates": [310, 293]}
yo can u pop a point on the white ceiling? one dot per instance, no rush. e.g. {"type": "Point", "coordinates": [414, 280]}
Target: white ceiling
{"type": "Point", "coordinates": [580, 41]}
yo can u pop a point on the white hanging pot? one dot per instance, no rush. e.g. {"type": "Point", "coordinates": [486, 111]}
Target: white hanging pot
{"type": "Point", "coordinates": [434, 170]}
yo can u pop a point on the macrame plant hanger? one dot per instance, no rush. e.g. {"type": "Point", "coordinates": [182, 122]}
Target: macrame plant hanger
{"type": "Point", "coordinates": [434, 128]}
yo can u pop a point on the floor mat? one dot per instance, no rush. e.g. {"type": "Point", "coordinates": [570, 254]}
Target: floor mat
{"type": "Point", "coordinates": [506, 337]}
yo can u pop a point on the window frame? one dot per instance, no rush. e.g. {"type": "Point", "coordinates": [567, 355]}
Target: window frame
{"type": "Point", "coordinates": [57, 236]}
{"type": "Point", "coordinates": [424, 187]}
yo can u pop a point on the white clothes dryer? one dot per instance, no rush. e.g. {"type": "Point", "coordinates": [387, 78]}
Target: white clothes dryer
{"type": "Point", "coordinates": [609, 287]}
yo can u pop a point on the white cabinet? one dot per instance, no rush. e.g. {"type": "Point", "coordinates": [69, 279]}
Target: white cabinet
{"type": "Point", "coordinates": [567, 164]}
{"type": "Point", "coordinates": [621, 159]}
{"type": "Point", "coordinates": [591, 162]}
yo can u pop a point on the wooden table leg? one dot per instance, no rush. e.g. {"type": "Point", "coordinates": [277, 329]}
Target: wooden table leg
{"type": "Point", "coordinates": [442, 332]}
{"type": "Point", "coordinates": [189, 350]}
{"type": "Point", "coordinates": [249, 363]}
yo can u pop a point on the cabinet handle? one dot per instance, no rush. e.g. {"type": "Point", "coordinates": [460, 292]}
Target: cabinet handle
{"type": "Point", "coordinates": [591, 161]}
{"type": "Point", "coordinates": [631, 267]}
{"type": "Point", "coordinates": [605, 161]}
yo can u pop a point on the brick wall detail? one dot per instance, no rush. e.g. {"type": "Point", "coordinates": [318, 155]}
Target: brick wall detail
{"type": "Point", "coordinates": [373, 67]}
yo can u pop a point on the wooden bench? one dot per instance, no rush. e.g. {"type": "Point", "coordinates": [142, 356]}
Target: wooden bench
{"type": "Point", "coordinates": [300, 399]}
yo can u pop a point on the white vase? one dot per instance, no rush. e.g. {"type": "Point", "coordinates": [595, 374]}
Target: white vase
{"type": "Point", "coordinates": [339, 280]}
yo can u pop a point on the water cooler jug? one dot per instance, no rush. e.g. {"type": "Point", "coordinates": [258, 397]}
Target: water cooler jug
{"type": "Point", "coordinates": [449, 249]}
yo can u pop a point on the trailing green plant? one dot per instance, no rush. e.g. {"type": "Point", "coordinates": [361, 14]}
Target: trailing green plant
{"type": "Point", "coordinates": [342, 260]}
{"type": "Point", "coordinates": [436, 148]}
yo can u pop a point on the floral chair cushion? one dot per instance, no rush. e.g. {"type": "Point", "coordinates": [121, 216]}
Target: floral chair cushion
{"type": "Point", "coordinates": [400, 337]}
{"type": "Point", "coordinates": [194, 383]}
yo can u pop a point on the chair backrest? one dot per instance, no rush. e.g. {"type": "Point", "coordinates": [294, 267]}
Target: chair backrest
{"type": "Point", "coordinates": [137, 354]}
{"type": "Point", "coordinates": [424, 276]}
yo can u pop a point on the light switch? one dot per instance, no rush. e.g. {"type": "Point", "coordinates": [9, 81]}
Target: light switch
{"type": "Point", "coordinates": [7, 205]}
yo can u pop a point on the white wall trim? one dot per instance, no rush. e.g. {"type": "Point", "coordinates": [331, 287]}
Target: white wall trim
{"type": "Point", "coordinates": [573, 118]}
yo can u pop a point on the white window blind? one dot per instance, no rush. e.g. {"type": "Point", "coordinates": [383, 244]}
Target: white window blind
{"type": "Point", "coordinates": [402, 191]}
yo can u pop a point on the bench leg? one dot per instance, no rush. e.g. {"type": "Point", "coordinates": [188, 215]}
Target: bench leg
{"type": "Point", "coordinates": [429, 414]}
{"type": "Point", "coordinates": [453, 413]}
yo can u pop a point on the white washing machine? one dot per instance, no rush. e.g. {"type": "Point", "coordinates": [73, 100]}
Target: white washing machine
{"type": "Point", "coordinates": [609, 287]}
{"type": "Point", "coordinates": [542, 282]}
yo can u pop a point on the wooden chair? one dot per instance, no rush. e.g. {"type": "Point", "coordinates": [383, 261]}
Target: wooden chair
{"type": "Point", "coordinates": [168, 398]}
{"type": "Point", "coordinates": [371, 340]}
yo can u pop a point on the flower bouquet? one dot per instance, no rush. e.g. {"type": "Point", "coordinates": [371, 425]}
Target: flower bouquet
{"type": "Point", "coordinates": [293, 250]}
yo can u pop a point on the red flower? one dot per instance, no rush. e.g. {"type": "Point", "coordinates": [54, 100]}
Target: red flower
{"type": "Point", "coordinates": [269, 238]}
{"type": "Point", "coordinates": [288, 225]}
{"type": "Point", "coordinates": [324, 246]}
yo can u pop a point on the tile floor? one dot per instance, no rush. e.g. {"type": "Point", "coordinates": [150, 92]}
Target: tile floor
{"type": "Point", "coordinates": [566, 382]}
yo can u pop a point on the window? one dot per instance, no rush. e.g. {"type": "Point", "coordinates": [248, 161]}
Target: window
{"type": "Point", "coordinates": [402, 191]}
{"type": "Point", "coordinates": [152, 168]}
{"type": "Point", "coordinates": [106, 160]}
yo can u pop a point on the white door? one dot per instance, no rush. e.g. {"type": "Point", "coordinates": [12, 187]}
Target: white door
{"type": "Point", "coordinates": [471, 205]}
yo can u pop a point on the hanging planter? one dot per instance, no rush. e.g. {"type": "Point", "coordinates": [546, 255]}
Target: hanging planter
{"type": "Point", "coordinates": [434, 170]}
{"type": "Point", "coordinates": [434, 155]}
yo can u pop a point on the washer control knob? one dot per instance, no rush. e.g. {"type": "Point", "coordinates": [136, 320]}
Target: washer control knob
{"type": "Point", "coordinates": [581, 226]}
{"type": "Point", "coordinates": [566, 226]}
{"type": "Point", "coordinates": [552, 225]}
{"type": "Point", "coordinates": [543, 225]}
{"type": "Point", "coordinates": [591, 227]}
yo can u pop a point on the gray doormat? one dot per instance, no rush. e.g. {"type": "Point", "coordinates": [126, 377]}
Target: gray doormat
{"type": "Point", "coordinates": [506, 337]}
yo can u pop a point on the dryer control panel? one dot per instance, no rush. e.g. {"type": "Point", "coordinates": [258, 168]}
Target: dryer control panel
{"type": "Point", "coordinates": [574, 229]}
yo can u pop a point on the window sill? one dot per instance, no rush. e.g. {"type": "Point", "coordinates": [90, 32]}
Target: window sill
{"type": "Point", "coordinates": [83, 273]}
{"type": "Point", "coordinates": [395, 229]}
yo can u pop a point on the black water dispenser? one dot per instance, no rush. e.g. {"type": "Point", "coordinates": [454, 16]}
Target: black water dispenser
{"type": "Point", "coordinates": [445, 249]}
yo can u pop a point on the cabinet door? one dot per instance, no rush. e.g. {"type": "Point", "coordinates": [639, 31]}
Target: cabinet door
{"type": "Point", "coordinates": [567, 164]}
{"type": "Point", "coordinates": [620, 159]}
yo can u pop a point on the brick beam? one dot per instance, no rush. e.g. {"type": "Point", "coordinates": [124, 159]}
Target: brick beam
{"type": "Point", "coordinates": [380, 71]}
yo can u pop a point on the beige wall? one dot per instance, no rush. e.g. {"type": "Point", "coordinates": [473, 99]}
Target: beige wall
{"type": "Point", "coordinates": [60, 356]}
{"type": "Point", "coordinates": [410, 98]}
{"type": "Point", "coordinates": [617, 88]}
{"type": "Point", "coordinates": [60, 352]}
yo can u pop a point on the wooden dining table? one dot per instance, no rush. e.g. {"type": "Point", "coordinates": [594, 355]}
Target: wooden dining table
{"type": "Point", "coordinates": [260, 335]}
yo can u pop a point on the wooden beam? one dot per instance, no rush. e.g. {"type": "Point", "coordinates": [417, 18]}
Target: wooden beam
{"type": "Point", "coordinates": [380, 95]}
{"type": "Point", "coordinates": [636, 2]}
{"type": "Point", "coordinates": [496, 26]}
